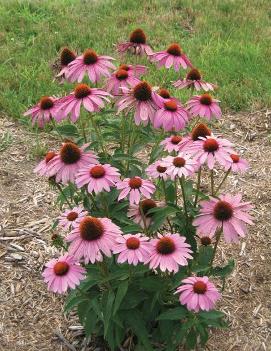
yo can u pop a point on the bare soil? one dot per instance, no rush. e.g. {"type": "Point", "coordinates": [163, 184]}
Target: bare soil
{"type": "Point", "coordinates": [32, 319]}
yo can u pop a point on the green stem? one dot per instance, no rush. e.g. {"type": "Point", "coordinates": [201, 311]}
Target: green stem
{"type": "Point", "coordinates": [105, 205]}
{"type": "Point", "coordinates": [62, 193]}
{"type": "Point", "coordinates": [218, 236]}
{"type": "Point", "coordinates": [170, 226]}
{"type": "Point", "coordinates": [223, 180]}
{"type": "Point", "coordinates": [93, 201]}
{"type": "Point", "coordinates": [98, 134]}
{"type": "Point", "coordinates": [176, 190]}
{"type": "Point", "coordinates": [212, 182]}
{"type": "Point", "coordinates": [164, 188]}
{"type": "Point", "coordinates": [83, 130]}
{"type": "Point", "coordinates": [143, 218]}
{"type": "Point", "coordinates": [198, 187]}
{"type": "Point", "coordinates": [184, 198]}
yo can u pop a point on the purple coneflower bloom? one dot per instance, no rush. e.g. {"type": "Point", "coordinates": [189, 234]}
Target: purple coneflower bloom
{"type": "Point", "coordinates": [204, 106]}
{"type": "Point", "coordinates": [63, 273]}
{"type": "Point", "coordinates": [42, 167]}
{"type": "Point", "coordinates": [168, 252]}
{"type": "Point", "coordinates": [93, 237]}
{"type": "Point", "coordinates": [133, 249]}
{"type": "Point", "coordinates": [198, 293]}
{"type": "Point", "coordinates": [211, 149]}
{"type": "Point", "coordinates": [66, 57]}
{"type": "Point", "coordinates": [68, 161]}
{"type": "Point", "coordinates": [193, 80]}
{"type": "Point", "coordinates": [134, 188]}
{"type": "Point", "coordinates": [237, 165]}
{"type": "Point", "coordinates": [227, 213]}
{"type": "Point", "coordinates": [134, 70]}
{"type": "Point", "coordinates": [142, 99]}
{"type": "Point", "coordinates": [175, 143]}
{"type": "Point", "coordinates": [120, 79]}
{"type": "Point", "coordinates": [89, 63]}
{"type": "Point", "coordinates": [180, 165]}
{"type": "Point", "coordinates": [172, 116]}
{"type": "Point", "coordinates": [139, 212]}
{"type": "Point", "coordinates": [156, 170]}
{"type": "Point", "coordinates": [71, 217]}
{"type": "Point", "coordinates": [43, 111]}
{"type": "Point", "coordinates": [91, 98]}
{"type": "Point", "coordinates": [136, 44]}
{"type": "Point", "coordinates": [97, 177]}
{"type": "Point", "coordinates": [173, 56]}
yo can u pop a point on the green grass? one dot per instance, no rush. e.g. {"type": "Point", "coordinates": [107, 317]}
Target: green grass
{"type": "Point", "coordinates": [229, 40]}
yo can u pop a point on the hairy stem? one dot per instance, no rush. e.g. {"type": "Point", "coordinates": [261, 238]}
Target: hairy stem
{"type": "Point", "coordinates": [198, 187]}
{"type": "Point", "coordinates": [223, 180]}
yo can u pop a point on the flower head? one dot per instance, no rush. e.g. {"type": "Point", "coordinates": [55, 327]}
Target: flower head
{"type": "Point", "coordinates": [42, 167]}
{"type": "Point", "coordinates": [93, 237]}
{"type": "Point", "coordinates": [71, 217]}
{"type": "Point", "coordinates": [193, 80]}
{"type": "Point", "coordinates": [168, 252]}
{"type": "Point", "coordinates": [97, 177]}
{"type": "Point", "coordinates": [156, 170]}
{"type": "Point", "coordinates": [68, 161]}
{"type": "Point", "coordinates": [43, 111]}
{"type": "Point", "coordinates": [211, 149]}
{"type": "Point", "coordinates": [134, 70]}
{"type": "Point", "coordinates": [139, 213]}
{"type": "Point", "coordinates": [134, 188]}
{"type": "Point", "coordinates": [142, 99]}
{"type": "Point", "coordinates": [120, 79]}
{"type": "Point", "coordinates": [63, 273]}
{"type": "Point", "coordinates": [175, 143]}
{"type": "Point", "coordinates": [136, 45]}
{"type": "Point", "coordinates": [66, 57]}
{"type": "Point", "coordinates": [237, 165]}
{"type": "Point", "coordinates": [180, 165]}
{"type": "Point", "coordinates": [198, 293]}
{"type": "Point", "coordinates": [89, 63]}
{"type": "Point", "coordinates": [91, 98]}
{"type": "Point", "coordinates": [171, 115]}
{"type": "Point", "coordinates": [227, 213]}
{"type": "Point", "coordinates": [173, 56]}
{"type": "Point", "coordinates": [132, 248]}
{"type": "Point", "coordinates": [204, 106]}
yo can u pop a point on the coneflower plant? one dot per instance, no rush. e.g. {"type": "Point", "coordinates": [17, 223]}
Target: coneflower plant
{"type": "Point", "coordinates": [143, 210]}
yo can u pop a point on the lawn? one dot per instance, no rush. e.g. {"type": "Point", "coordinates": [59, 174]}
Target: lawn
{"type": "Point", "coordinates": [228, 40]}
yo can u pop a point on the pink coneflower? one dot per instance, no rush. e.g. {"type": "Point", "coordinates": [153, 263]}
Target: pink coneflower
{"type": "Point", "coordinates": [237, 165]}
{"type": "Point", "coordinates": [142, 99]}
{"type": "Point", "coordinates": [68, 161]}
{"type": "Point", "coordinates": [198, 293]}
{"type": "Point", "coordinates": [173, 56]}
{"type": "Point", "coordinates": [120, 79]}
{"type": "Point", "coordinates": [156, 170]}
{"type": "Point", "coordinates": [92, 237]}
{"type": "Point", "coordinates": [169, 251]}
{"type": "Point", "coordinates": [204, 106]}
{"type": "Point", "coordinates": [136, 44]}
{"type": "Point", "coordinates": [132, 248]}
{"type": "Point", "coordinates": [66, 57]}
{"type": "Point", "coordinates": [91, 98]}
{"type": "Point", "coordinates": [134, 70]}
{"type": "Point", "coordinates": [43, 111]}
{"type": "Point", "coordinates": [193, 80]}
{"type": "Point", "coordinates": [63, 273]}
{"type": "Point", "coordinates": [227, 213]}
{"type": "Point", "coordinates": [175, 143]}
{"type": "Point", "coordinates": [71, 217]}
{"type": "Point", "coordinates": [42, 167]}
{"type": "Point", "coordinates": [180, 165]}
{"type": "Point", "coordinates": [97, 177]}
{"type": "Point", "coordinates": [172, 116]}
{"type": "Point", "coordinates": [134, 188]}
{"type": "Point", "coordinates": [164, 93]}
{"type": "Point", "coordinates": [89, 63]}
{"type": "Point", "coordinates": [139, 212]}
{"type": "Point", "coordinates": [212, 149]}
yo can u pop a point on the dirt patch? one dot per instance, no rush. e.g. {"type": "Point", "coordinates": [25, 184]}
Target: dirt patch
{"type": "Point", "coordinates": [31, 317]}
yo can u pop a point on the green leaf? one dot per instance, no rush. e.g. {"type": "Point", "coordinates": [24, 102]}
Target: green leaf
{"type": "Point", "coordinates": [110, 297]}
{"type": "Point", "coordinates": [191, 339]}
{"type": "Point", "coordinates": [90, 322]}
{"type": "Point", "coordinates": [173, 314]}
{"type": "Point", "coordinates": [223, 272]}
{"type": "Point", "coordinates": [72, 302]}
{"type": "Point", "coordinates": [211, 314]}
{"type": "Point", "coordinates": [69, 130]}
{"type": "Point", "coordinates": [121, 292]}
{"type": "Point", "coordinates": [137, 324]}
